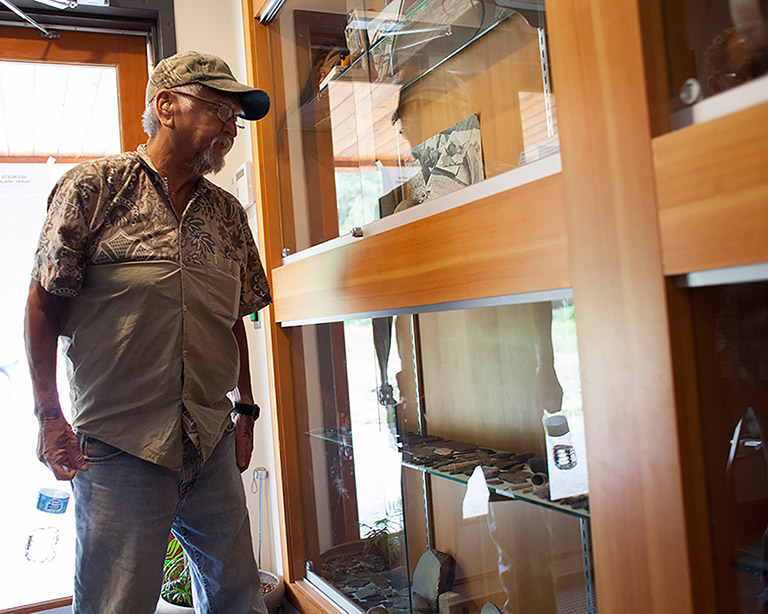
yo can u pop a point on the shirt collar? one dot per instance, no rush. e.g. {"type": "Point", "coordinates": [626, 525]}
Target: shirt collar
{"type": "Point", "coordinates": [142, 152]}
{"type": "Point", "coordinates": [144, 156]}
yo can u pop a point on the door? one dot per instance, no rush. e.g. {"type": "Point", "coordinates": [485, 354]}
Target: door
{"type": "Point", "coordinates": [62, 101]}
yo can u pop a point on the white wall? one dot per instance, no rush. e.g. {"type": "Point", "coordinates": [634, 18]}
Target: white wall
{"type": "Point", "coordinates": [219, 31]}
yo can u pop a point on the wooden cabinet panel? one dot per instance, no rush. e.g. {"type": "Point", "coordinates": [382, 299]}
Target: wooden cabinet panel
{"type": "Point", "coordinates": [639, 536]}
{"type": "Point", "coordinates": [712, 191]}
{"type": "Point", "coordinates": [508, 243]}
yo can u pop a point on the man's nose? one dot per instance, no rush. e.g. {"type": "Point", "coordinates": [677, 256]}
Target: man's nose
{"type": "Point", "coordinates": [230, 127]}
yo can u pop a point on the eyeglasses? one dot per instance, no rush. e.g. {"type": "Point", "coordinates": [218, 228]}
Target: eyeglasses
{"type": "Point", "coordinates": [223, 111]}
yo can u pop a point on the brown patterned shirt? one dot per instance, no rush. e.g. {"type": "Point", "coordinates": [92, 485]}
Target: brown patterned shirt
{"type": "Point", "coordinates": [118, 210]}
{"type": "Point", "coordinates": [148, 332]}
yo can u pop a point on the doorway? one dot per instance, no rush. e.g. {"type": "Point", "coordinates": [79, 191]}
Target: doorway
{"type": "Point", "coordinates": [62, 102]}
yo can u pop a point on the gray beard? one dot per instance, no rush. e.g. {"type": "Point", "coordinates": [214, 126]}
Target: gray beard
{"type": "Point", "coordinates": [208, 161]}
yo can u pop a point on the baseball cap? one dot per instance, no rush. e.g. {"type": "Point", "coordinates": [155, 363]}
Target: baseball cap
{"type": "Point", "coordinates": [211, 71]}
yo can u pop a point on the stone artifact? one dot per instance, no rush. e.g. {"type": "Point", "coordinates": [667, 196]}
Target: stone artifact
{"type": "Point", "coordinates": [451, 603]}
{"type": "Point", "coordinates": [490, 608]}
{"type": "Point", "coordinates": [538, 464]}
{"type": "Point", "coordinates": [434, 574]}
{"type": "Point", "coordinates": [508, 473]}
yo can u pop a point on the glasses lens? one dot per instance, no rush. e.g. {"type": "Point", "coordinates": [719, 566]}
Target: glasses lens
{"type": "Point", "coordinates": [224, 113]}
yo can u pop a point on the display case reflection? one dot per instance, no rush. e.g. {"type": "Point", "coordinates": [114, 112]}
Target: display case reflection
{"type": "Point", "coordinates": [396, 104]}
{"type": "Point", "coordinates": [430, 461]}
{"type": "Point", "coordinates": [714, 46]}
{"type": "Point", "coordinates": [730, 325]}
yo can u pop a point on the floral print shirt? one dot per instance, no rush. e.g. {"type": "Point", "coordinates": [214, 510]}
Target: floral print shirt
{"type": "Point", "coordinates": [147, 334]}
{"type": "Point", "coordinates": [117, 209]}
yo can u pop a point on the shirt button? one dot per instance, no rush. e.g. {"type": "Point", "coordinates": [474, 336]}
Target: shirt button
{"type": "Point", "coordinates": [186, 308]}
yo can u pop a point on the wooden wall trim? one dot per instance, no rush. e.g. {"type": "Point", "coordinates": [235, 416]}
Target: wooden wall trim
{"type": "Point", "coordinates": [43, 606]}
{"type": "Point", "coordinates": [712, 191]}
{"type": "Point", "coordinates": [307, 599]}
{"type": "Point", "coordinates": [636, 495]}
{"type": "Point", "coordinates": [689, 412]}
{"type": "Point", "coordinates": [127, 53]}
{"type": "Point", "coordinates": [509, 243]}
{"type": "Point", "coordinates": [655, 60]}
{"type": "Point", "coordinates": [288, 481]}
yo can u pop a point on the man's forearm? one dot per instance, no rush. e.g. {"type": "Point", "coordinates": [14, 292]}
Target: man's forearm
{"type": "Point", "coordinates": [57, 446]}
{"type": "Point", "coordinates": [244, 377]}
{"type": "Point", "coordinates": [42, 324]}
{"type": "Point", "coordinates": [243, 423]}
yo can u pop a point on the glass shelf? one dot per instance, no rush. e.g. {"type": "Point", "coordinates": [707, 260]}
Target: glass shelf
{"type": "Point", "coordinates": [342, 439]}
{"type": "Point", "coordinates": [507, 474]}
{"type": "Point", "coordinates": [425, 36]}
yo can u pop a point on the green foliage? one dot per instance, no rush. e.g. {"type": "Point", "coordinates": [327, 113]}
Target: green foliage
{"type": "Point", "coordinates": [564, 344]}
{"type": "Point", "coordinates": [384, 535]}
{"type": "Point", "coordinates": [177, 581]}
{"type": "Point", "coordinates": [357, 197]}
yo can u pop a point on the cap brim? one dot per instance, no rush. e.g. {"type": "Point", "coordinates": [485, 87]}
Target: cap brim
{"type": "Point", "coordinates": [255, 102]}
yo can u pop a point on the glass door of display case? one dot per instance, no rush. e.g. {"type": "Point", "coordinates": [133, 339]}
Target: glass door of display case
{"type": "Point", "coordinates": [444, 462]}
{"type": "Point", "coordinates": [717, 57]}
{"type": "Point", "coordinates": [391, 106]}
{"type": "Point", "coordinates": [727, 320]}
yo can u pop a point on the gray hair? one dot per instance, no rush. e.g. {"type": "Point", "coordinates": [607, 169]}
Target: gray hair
{"type": "Point", "coordinates": [149, 119]}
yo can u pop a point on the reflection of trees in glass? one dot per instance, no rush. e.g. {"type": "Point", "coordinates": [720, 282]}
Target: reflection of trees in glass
{"type": "Point", "coordinates": [566, 355]}
{"type": "Point", "coordinates": [357, 198]}
{"type": "Point", "coordinates": [385, 534]}
{"type": "Point", "coordinates": [363, 375]}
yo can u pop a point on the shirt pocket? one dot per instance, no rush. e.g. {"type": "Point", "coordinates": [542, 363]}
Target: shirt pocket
{"type": "Point", "coordinates": [222, 286]}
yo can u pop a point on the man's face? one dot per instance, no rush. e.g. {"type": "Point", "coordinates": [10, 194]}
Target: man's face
{"type": "Point", "coordinates": [203, 133]}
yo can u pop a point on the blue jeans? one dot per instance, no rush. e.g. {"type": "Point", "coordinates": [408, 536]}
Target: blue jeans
{"type": "Point", "coordinates": [125, 508]}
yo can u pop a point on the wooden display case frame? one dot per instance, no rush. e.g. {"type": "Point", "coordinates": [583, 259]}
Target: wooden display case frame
{"type": "Point", "coordinates": [633, 206]}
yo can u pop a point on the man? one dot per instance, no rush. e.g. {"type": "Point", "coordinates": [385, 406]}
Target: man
{"type": "Point", "coordinates": [145, 270]}
{"type": "Point", "coordinates": [737, 55]}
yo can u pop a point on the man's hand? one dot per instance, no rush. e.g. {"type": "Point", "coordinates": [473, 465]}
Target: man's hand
{"type": "Point", "coordinates": [243, 440]}
{"type": "Point", "coordinates": [56, 443]}
{"type": "Point", "coordinates": [57, 448]}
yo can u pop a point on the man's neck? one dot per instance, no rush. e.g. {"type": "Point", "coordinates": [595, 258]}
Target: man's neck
{"type": "Point", "coordinates": [175, 167]}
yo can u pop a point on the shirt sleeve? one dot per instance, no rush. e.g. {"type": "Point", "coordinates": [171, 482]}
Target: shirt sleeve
{"type": "Point", "coordinates": [59, 263]}
{"type": "Point", "coordinates": [255, 292]}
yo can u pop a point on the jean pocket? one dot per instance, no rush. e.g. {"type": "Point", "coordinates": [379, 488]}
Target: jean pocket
{"type": "Point", "coordinates": [95, 450]}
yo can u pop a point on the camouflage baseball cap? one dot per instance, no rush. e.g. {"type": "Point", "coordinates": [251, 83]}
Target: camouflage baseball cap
{"type": "Point", "coordinates": [208, 70]}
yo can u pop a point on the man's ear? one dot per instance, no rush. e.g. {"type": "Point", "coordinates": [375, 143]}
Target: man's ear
{"type": "Point", "coordinates": [165, 105]}
{"type": "Point", "coordinates": [713, 84]}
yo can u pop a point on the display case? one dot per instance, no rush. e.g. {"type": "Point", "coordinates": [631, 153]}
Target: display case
{"type": "Point", "coordinates": [388, 106]}
{"type": "Point", "coordinates": [444, 465]}
{"type": "Point", "coordinates": [725, 319]}
{"type": "Point", "coordinates": [607, 199]}
{"type": "Point", "coordinates": [713, 47]}
{"type": "Point", "coordinates": [715, 60]}
{"type": "Point", "coordinates": [431, 430]}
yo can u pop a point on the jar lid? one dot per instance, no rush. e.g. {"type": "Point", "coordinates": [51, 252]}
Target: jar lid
{"type": "Point", "coordinates": [557, 426]}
